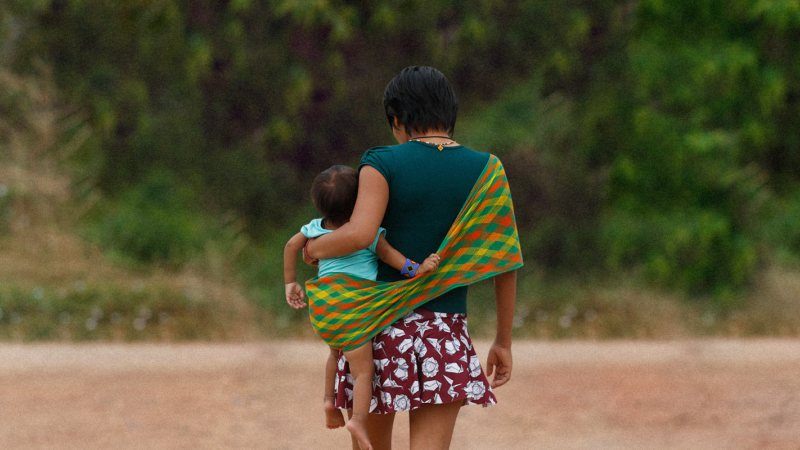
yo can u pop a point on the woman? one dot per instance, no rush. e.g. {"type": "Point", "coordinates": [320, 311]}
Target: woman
{"type": "Point", "coordinates": [424, 362]}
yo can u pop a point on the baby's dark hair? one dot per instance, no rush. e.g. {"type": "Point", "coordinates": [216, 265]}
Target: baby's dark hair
{"type": "Point", "coordinates": [334, 193]}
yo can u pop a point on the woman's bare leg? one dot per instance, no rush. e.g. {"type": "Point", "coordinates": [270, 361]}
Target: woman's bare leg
{"type": "Point", "coordinates": [379, 427]}
{"type": "Point", "coordinates": [362, 368]}
{"type": "Point", "coordinates": [333, 416]}
{"type": "Point", "coordinates": [431, 426]}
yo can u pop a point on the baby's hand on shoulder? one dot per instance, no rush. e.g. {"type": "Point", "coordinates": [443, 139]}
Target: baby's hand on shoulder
{"type": "Point", "coordinates": [294, 295]}
{"type": "Point", "coordinates": [429, 265]}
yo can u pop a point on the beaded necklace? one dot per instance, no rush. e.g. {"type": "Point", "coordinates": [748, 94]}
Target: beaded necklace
{"type": "Point", "coordinates": [439, 146]}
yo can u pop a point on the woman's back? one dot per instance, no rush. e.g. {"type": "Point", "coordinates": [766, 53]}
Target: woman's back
{"type": "Point", "coordinates": [427, 188]}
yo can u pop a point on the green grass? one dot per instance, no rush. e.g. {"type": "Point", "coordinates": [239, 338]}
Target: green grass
{"type": "Point", "coordinates": [107, 312]}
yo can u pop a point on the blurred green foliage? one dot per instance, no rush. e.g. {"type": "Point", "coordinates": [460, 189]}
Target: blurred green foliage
{"type": "Point", "coordinates": [649, 137]}
{"type": "Point", "coordinates": [106, 312]}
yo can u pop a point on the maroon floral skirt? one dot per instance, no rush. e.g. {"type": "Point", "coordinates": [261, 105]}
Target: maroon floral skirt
{"type": "Point", "coordinates": [425, 357]}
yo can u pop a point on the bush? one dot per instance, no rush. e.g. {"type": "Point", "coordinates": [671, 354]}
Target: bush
{"type": "Point", "coordinates": [154, 223]}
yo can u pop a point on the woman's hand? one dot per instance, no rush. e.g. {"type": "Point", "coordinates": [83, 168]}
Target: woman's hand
{"type": "Point", "coordinates": [294, 295]}
{"type": "Point", "coordinates": [429, 265]}
{"type": "Point", "coordinates": [499, 364]}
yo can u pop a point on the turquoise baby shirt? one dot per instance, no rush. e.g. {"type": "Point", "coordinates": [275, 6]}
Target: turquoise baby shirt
{"type": "Point", "coordinates": [363, 263]}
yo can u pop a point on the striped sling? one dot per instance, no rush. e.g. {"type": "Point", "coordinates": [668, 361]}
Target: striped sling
{"type": "Point", "coordinates": [347, 311]}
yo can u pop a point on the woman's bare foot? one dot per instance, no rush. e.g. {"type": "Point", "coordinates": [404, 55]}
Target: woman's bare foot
{"type": "Point", "coordinates": [357, 426]}
{"type": "Point", "coordinates": [333, 415]}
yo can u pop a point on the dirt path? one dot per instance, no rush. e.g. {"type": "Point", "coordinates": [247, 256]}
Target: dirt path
{"type": "Point", "coordinates": [577, 395]}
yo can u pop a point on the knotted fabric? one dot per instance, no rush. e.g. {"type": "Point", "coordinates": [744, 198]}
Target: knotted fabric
{"type": "Point", "coordinates": [347, 311]}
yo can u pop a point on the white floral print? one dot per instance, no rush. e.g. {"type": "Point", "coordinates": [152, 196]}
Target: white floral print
{"type": "Point", "coordinates": [420, 348]}
{"type": "Point", "coordinates": [451, 347]}
{"type": "Point", "coordinates": [405, 345]}
{"type": "Point", "coordinates": [432, 385]}
{"type": "Point", "coordinates": [474, 366]}
{"type": "Point", "coordinates": [430, 367]}
{"type": "Point", "coordinates": [442, 326]}
{"type": "Point", "coordinates": [453, 368]}
{"type": "Point", "coordinates": [422, 327]}
{"type": "Point", "coordinates": [390, 383]}
{"type": "Point", "coordinates": [402, 403]}
{"type": "Point", "coordinates": [436, 344]}
{"type": "Point", "coordinates": [412, 316]}
{"type": "Point", "coordinates": [475, 389]}
{"type": "Point", "coordinates": [444, 366]}
{"type": "Point", "coordinates": [401, 371]}
{"type": "Point", "coordinates": [381, 364]}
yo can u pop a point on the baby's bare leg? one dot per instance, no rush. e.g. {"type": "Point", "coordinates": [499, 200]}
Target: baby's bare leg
{"type": "Point", "coordinates": [333, 416]}
{"type": "Point", "coordinates": [363, 369]}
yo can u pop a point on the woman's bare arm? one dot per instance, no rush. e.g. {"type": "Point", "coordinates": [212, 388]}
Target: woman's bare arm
{"type": "Point", "coordinates": [360, 231]}
{"type": "Point", "coordinates": [499, 360]}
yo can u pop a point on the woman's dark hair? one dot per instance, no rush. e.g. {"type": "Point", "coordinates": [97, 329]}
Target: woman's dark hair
{"type": "Point", "coordinates": [334, 193]}
{"type": "Point", "coordinates": [421, 98]}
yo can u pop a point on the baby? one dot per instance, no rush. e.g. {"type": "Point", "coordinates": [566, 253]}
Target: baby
{"type": "Point", "coordinates": [334, 194]}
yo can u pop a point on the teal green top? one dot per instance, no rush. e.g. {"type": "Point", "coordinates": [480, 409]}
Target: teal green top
{"type": "Point", "coordinates": [427, 189]}
{"type": "Point", "coordinates": [363, 263]}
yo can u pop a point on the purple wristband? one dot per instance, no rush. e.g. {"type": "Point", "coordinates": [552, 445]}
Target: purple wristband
{"type": "Point", "coordinates": [409, 268]}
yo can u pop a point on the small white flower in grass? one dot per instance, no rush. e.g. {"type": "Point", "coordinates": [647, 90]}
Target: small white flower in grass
{"type": "Point", "coordinates": [97, 313]}
{"type": "Point", "coordinates": [565, 321]}
{"type": "Point", "coordinates": [64, 318]}
{"type": "Point", "coordinates": [91, 324]}
{"type": "Point", "coordinates": [542, 315]}
{"type": "Point", "coordinates": [37, 293]}
{"type": "Point", "coordinates": [430, 367]}
{"type": "Point", "coordinates": [402, 403]}
{"type": "Point", "coordinates": [139, 323]}
{"type": "Point", "coordinates": [79, 286]}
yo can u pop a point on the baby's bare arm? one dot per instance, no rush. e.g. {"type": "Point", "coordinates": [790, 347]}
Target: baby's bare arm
{"type": "Point", "coordinates": [392, 257]}
{"type": "Point", "coordinates": [294, 292]}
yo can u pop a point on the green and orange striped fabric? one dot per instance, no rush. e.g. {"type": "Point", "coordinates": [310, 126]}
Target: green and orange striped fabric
{"type": "Point", "coordinates": [347, 311]}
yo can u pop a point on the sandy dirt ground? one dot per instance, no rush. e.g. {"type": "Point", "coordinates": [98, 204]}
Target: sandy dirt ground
{"type": "Point", "coordinates": [267, 395]}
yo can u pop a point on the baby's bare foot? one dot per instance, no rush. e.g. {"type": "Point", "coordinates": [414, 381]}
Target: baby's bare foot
{"type": "Point", "coordinates": [357, 426]}
{"type": "Point", "coordinates": [333, 415]}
